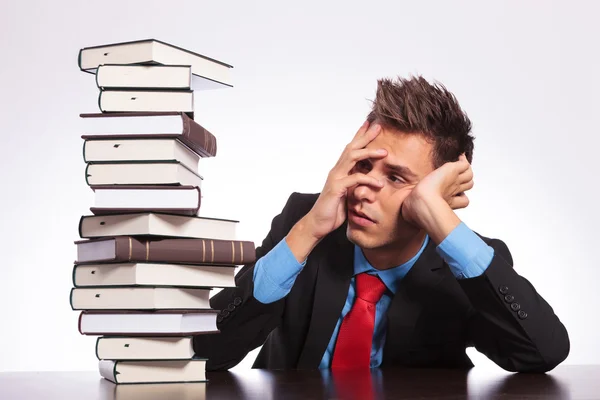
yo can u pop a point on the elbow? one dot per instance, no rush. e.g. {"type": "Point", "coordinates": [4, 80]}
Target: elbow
{"type": "Point", "coordinates": [554, 354]}
{"type": "Point", "coordinates": [559, 351]}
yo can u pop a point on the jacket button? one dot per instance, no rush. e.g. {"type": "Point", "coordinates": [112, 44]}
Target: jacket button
{"type": "Point", "coordinates": [219, 318]}
{"type": "Point", "coordinates": [503, 289]}
{"type": "Point", "coordinates": [224, 313]}
{"type": "Point", "coordinates": [515, 306]}
{"type": "Point", "coordinates": [509, 298]}
{"type": "Point", "coordinates": [237, 301]}
{"type": "Point", "coordinates": [230, 307]}
{"type": "Point", "coordinates": [522, 314]}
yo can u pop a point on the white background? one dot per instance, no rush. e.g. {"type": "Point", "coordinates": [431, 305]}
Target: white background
{"type": "Point", "coordinates": [526, 72]}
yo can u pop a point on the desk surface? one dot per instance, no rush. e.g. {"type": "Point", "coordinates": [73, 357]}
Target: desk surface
{"type": "Point", "coordinates": [565, 382]}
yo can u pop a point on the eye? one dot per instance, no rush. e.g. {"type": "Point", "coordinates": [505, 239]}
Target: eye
{"type": "Point", "coordinates": [396, 179]}
{"type": "Point", "coordinates": [362, 165]}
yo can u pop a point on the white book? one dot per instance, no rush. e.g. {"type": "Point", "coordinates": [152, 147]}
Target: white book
{"type": "Point", "coordinates": [148, 323]}
{"type": "Point", "coordinates": [123, 76]}
{"type": "Point", "coordinates": [141, 173]}
{"type": "Point", "coordinates": [162, 371]}
{"type": "Point", "coordinates": [103, 149]}
{"type": "Point", "coordinates": [159, 124]}
{"type": "Point", "coordinates": [183, 200]}
{"type": "Point", "coordinates": [155, 224]}
{"type": "Point", "coordinates": [144, 348]}
{"type": "Point", "coordinates": [150, 125]}
{"type": "Point", "coordinates": [139, 298]}
{"type": "Point", "coordinates": [152, 51]}
{"type": "Point", "coordinates": [146, 101]}
{"type": "Point", "coordinates": [152, 391]}
{"type": "Point", "coordinates": [153, 274]}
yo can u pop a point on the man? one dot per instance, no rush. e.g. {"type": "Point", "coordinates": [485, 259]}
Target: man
{"type": "Point", "coordinates": [378, 270]}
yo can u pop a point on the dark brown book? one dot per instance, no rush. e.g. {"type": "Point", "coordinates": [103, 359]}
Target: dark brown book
{"type": "Point", "coordinates": [124, 199]}
{"type": "Point", "coordinates": [162, 250]}
{"type": "Point", "coordinates": [152, 125]}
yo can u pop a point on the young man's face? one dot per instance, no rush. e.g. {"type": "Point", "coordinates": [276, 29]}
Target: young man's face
{"type": "Point", "coordinates": [384, 226]}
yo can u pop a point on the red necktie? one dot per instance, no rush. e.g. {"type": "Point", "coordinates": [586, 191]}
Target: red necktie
{"type": "Point", "coordinates": [355, 339]}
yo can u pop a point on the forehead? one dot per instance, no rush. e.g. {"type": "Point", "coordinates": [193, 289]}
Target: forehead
{"type": "Point", "coordinates": [407, 149]}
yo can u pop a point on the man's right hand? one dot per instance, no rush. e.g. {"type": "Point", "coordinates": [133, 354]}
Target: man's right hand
{"type": "Point", "coordinates": [329, 211]}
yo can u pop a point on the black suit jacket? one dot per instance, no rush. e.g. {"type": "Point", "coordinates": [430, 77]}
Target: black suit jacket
{"type": "Point", "coordinates": [432, 318]}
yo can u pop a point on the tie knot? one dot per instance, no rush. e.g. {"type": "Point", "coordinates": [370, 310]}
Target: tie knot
{"type": "Point", "coordinates": [369, 287]}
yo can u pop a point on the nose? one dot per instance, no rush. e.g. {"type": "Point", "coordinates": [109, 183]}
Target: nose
{"type": "Point", "coordinates": [365, 192]}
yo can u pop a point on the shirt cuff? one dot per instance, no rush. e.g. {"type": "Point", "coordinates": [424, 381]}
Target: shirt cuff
{"type": "Point", "coordinates": [467, 255]}
{"type": "Point", "coordinates": [275, 273]}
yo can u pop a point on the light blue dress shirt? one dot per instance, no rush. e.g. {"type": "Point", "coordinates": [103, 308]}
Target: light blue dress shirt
{"type": "Point", "coordinates": [466, 253]}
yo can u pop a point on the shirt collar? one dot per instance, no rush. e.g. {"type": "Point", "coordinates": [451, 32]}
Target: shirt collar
{"type": "Point", "coordinates": [390, 277]}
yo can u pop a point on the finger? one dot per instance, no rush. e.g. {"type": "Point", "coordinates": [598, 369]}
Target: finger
{"type": "Point", "coordinates": [356, 179]}
{"type": "Point", "coordinates": [465, 187]}
{"type": "Point", "coordinates": [349, 159]}
{"type": "Point", "coordinates": [361, 141]}
{"type": "Point", "coordinates": [352, 145]}
{"type": "Point", "coordinates": [460, 201]}
{"type": "Point", "coordinates": [362, 154]}
{"type": "Point", "coordinates": [361, 131]}
{"type": "Point", "coordinates": [465, 176]}
{"type": "Point", "coordinates": [462, 165]}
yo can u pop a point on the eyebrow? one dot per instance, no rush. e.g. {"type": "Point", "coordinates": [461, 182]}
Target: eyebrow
{"type": "Point", "coordinates": [401, 170]}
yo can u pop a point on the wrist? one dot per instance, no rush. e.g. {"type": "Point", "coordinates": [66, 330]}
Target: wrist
{"type": "Point", "coordinates": [438, 219]}
{"type": "Point", "coordinates": [301, 239]}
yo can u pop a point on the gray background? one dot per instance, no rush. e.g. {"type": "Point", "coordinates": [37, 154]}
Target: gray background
{"type": "Point", "coordinates": [525, 71]}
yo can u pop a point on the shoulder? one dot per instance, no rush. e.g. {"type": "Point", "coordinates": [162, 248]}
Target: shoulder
{"type": "Point", "coordinates": [296, 207]}
{"type": "Point", "coordinates": [299, 204]}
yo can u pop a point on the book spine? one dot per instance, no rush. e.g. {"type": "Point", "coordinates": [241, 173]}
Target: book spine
{"type": "Point", "coordinates": [79, 323]}
{"type": "Point", "coordinates": [98, 73]}
{"type": "Point", "coordinates": [197, 138]}
{"type": "Point", "coordinates": [89, 70]}
{"type": "Point", "coordinates": [87, 167]}
{"type": "Point", "coordinates": [129, 249]}
{"type": "Point", "coordinates": [71, 299]}
{"type": "Point", "coordinates": [98, 343]}
{"type": "Point", "coordinates": [182, 251]}
{"type": "Point", "coordinates": [200, 251]}
{"type": "Point", "coordinates": [100, 100]}
{"type": "Point", "coordinates": [84, 158]}
{"type": "Point", "coordinates": [108, 370]}
{"type": "Point", "coordinates": [79, 60]}
{"type": "Point", "coordinates": [73, 275]}
{"type": "Point", "coordinates": [199, 199]}
{"type": "Point", "coordinates": [79, 227]}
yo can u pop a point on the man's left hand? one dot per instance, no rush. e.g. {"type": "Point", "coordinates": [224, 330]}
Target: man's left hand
{"type": "Point", "coordinates": [436, 195]}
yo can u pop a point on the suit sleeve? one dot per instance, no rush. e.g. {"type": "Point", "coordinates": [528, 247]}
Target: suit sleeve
{"type": "Point", "coordinates": [275, 273]}
{"type": "Point", "coordinates": [244, 322]}
{"type": "Point", "coordinates": [511, 323]}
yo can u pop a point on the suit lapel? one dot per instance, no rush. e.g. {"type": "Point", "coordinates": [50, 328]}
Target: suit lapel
{"type": "Point", "coordinates": [334, 272]}
{"type": "Point", "coordinates": [406, 306]}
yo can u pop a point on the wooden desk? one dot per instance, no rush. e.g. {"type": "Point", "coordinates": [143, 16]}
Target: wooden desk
{"type": "Point", "coordinates": [565, 382]}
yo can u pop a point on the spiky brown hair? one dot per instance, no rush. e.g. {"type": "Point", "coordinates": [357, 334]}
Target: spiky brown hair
{"type": "Point", "coordinates": [414, 105]}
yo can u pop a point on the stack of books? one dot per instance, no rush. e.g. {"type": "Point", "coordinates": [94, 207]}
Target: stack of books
{"type": "Point", "coordinates": [147, 261]}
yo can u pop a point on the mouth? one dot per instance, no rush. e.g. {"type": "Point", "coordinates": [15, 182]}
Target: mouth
{"type": "Point", "coordinates": [360, 218]}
